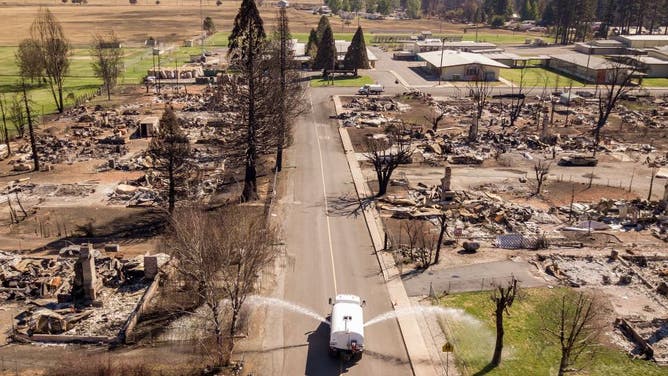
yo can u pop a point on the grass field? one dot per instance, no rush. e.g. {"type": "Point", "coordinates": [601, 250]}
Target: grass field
{"type": "Point", "coordinates": [655, 82]}
{"type": "Point", "coordinates": [527, 350]}
{"type": "Point", "coordinates": [537, 77]}
{"type": "Point", "coordinates": [318, 81]}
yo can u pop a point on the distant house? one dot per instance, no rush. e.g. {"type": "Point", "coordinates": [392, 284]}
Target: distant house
{"type": "Point", "coordinates": [461, 66]}
{"type": "Point", "coordinates": [589, 68]}
{"type": "Point", "coordinates": [643, 41]}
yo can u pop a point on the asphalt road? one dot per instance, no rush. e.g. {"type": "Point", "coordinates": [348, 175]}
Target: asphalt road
{"type": "Point", "coordinates": [328, 254]}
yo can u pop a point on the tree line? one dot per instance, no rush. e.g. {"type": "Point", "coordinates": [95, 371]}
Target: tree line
{"type": "Point", "coordinates": [572, 20]}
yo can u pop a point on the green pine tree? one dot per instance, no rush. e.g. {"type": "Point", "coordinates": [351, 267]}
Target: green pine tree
{"type": "Point", "coordinates": [312, 44]}
{"type": "Point", "coordinates": [326, 57]}
{"type": "Point", "coordinates": [356, 56]}
{"type": "Point", "coordinates": [320, 30]}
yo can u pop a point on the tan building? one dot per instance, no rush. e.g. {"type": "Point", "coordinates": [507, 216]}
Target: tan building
{"type": "Point", "coordinates": [461, 66]}
{"type": "Point", "coordinates": [589, 68]}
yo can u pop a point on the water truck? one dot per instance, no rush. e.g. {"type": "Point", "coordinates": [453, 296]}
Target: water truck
{"type": "Point", "coordinates": [370, 89]}
{"type": "Point", "coordinates": [346, 336]}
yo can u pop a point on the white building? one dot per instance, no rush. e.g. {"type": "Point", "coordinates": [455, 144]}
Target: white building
{"type": "Point", "coordinates": [461, 66]}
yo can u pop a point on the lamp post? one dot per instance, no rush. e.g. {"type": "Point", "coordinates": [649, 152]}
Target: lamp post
{"type": "Point", "coordinates": [440, 66]}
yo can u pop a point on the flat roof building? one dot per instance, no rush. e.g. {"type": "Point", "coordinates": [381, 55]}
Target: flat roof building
{"type": "Point", "coordinates": [643, 41]}
{"type": "Point", "coordinates": [461, 66]}
{"type": "Point", "coordinates": [589, 68]}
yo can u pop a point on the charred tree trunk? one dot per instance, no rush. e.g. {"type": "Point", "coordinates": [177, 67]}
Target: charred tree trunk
{"type": "Point", "coordinates": [31, 130]}
{"type": "Point", "coordinates": [444, 227]}
{"type": "Point", "coordinates": [498, 347]}
{"type": "Point", "coordinates": [172, 188]}
{"type": "Point", "coordinates": [4, 127]}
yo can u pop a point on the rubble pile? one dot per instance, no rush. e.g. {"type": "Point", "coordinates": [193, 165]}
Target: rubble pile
{"type": "Point", "coordinates": [479, 214]}
{"type": "Point", "coordinates": [48, 287]}
{"type": "Point", "coordinates": [25, 278]}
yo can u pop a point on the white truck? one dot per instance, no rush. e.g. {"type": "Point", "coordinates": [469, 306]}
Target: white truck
{"type": "Point", "coordinates": [346, 336]}
{"type": "Point", "coordinates": [370, 89]}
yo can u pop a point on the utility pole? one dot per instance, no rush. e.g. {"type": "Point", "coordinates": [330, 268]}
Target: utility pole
{"type": "Point", "coordinates": [440, 67]}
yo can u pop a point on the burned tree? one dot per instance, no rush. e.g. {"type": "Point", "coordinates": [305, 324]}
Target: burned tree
{"type": "Point", "coordinates": [442, 230]}
{"type": "Point", "coordinates": [170, 150]}
{"type": "Point", "coordinates": [17, 115]}
{"type": "Point", "coordinates": [541, 169]}
{"type": "Point", "coordinates": [517, 99]}
{"type": "Point", "coordinates": [618, 83]}
{"type": "Point", "coordinates": [54, 50]}
{"type": "Point", "coordinates": [576, 326]}
{"type": "Point", "coordinates": [479, 90]}
{"type": "Point", "coordinates": [437, 114]}
{"type": "Point", "coordinates": [31, 128]}
{"type": "Point", "coordinates": [289, 97]}
{"type": "Point", "coordinates": [503, 298]}
{"type": "Point", "coordinates": [5, 130]}
{"type": "Point", "coordinates": [107, 60]}
{"type": "Point", "coordinates": [386, 155]}
{"type": "Point", "coordinates": [246, 46]}
{"type": "Point", "coordinates": [220, 256]}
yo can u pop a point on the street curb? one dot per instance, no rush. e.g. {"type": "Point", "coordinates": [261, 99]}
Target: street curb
{"type": "Point", "coordinates": [418, 354]}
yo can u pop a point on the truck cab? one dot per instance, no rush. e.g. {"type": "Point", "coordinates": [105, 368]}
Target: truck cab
{"type": "Point", "coordinates": [346, 338]}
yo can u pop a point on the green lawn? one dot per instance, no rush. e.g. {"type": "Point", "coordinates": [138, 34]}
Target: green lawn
{"type": "Point", "coordinates": [536, 76]}
{"type": "Point", "coordinates": [318, 81]}
{"type": "Point", "coordinates": [490, 37]}
{"type": "Point", "coordinates": [527, 350]}
{"type": "Point", "coordinates": [655, 82]}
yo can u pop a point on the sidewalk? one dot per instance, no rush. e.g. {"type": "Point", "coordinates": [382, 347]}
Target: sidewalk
{"type": "Point", "coordinates": [422, 362]}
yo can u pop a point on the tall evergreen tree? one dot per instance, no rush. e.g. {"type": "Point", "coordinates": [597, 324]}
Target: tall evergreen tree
{"type": "Point", "coordinates": [326, 57]}
{"type": "Point", "coordinates": [246, 44]}
{"type": "Point", "coordinates": [356, 56]}
{"type": "Point", "coordinates": [320, 30]}
{"type": "Point", "coordinates": [312, 44]}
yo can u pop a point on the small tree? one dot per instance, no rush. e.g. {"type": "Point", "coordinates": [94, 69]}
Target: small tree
{"type": "Point", "coordinates": [517, 101]}
{"type": "Point", "coordinates": [312, 44]}
{"type": "Point", "coordinates": [386, 156]}
{"type": "Point", "coordinates": [356, 56]}
{"type": "Point", "coordinates": [480, 90]}
{"type": "Point", "coordinates": [107, 61]}
{"type": "Point", "coordinates": [29, 60]}
{"type": "Point", "coordinates": [17, 115]}
{"type": "Point", "coordinates": [54, 50]}
{"type": "Point", "coordinates": [5, 130]}
{"type": "Point", "coordinates": [326, 57]}
{"type": "Point", "coordinates": [503, 298]}
{"type": "Point", "coordinates": [576, 325]}
{"type": "Point", "coordinates": [435, 117]}
{"type": "Point", "coordinates": [618, 83]}
{"type": "Point", "coordinates": [541, 169]}
{"type": "Point", "coordinates": [170, 150]}
{"type": "Point", "coordinates": [208, 26]}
